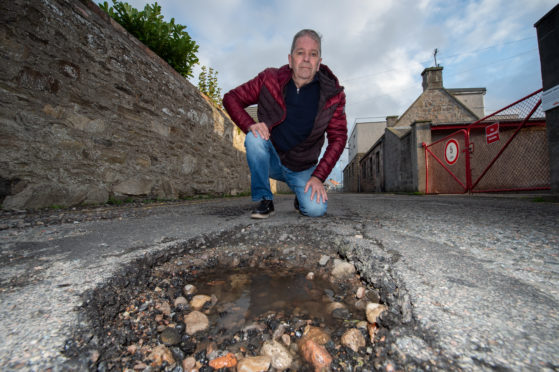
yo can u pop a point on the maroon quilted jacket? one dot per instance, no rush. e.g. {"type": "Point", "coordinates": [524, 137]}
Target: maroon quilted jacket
{"type": "Point", "coordinates": [268, 91]}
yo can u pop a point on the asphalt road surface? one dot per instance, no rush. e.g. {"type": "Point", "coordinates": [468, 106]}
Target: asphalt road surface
{"type": "Point", "coordinates": [476, 276]}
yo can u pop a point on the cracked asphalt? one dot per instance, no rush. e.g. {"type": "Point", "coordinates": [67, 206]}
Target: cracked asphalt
{"type": "Point", "coordinates": [477, 276]}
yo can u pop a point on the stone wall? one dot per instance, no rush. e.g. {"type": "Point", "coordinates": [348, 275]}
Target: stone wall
{"type": "Point", "coordinates": [372, 169]}
{"type": "Point", "coordinates": [351, 174]}
{"type": "Point", "coordinates": [88, 113]}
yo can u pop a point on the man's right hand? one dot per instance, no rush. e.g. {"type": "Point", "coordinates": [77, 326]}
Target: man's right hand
{"type": "Point", "coordinates": [261, 129]}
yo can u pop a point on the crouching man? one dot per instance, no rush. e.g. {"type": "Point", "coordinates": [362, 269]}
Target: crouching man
{"type": "Point", "coordinates": [299, 105]}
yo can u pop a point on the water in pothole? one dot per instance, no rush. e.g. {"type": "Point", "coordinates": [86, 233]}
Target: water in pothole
{"type": "Point", "coordinates": [246, 308]}
{"type": "Point", "coordinates": [245, 296]}
{"type": "Point", "coordinates": [184, 310]}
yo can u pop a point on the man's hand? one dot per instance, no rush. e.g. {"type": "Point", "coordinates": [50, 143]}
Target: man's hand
{"type": "Point", "coordinates": [261, 129]}
{"type": "Point", "coordinates": [317, 189]}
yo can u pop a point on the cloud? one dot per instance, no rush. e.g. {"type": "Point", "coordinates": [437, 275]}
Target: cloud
{"type": "Point", "coordinates": [377, 49]}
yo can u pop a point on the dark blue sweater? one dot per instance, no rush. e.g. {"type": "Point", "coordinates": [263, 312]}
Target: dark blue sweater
{"type": "Point", "coordinates": [302, 107]}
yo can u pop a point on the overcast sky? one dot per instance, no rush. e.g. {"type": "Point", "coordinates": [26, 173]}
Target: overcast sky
{"type": "Point", "coordinates": [377, 48]}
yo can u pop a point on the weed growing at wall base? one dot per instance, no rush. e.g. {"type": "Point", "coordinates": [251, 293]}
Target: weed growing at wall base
{"type": "Point", "coordinates": [207, 83]}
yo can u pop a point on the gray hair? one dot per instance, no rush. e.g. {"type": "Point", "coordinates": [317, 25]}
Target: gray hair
{"type": "Point", "coordinates": [310, 33]}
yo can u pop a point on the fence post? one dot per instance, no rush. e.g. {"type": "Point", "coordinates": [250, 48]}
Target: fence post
{"type": "Point", "coordinates": [548, 39]}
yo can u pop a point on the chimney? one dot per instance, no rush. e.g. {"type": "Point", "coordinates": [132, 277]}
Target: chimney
{"type": "Point", "coordinates": [432, 78]}
{"type": "Point", "coordinates": [391, 121]}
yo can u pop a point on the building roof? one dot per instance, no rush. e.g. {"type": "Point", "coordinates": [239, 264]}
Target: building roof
{"type": "Point", "coordinates": [466, 90]}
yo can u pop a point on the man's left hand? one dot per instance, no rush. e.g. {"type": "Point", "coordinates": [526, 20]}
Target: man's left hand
{"type": "Point", "coordinates": [317, 189]}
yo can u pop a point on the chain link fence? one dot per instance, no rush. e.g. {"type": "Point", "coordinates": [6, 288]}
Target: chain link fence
{"type": "Point", "coordinates": [516, 157]}
{"type": "Point", "coordinates": [507, 151]}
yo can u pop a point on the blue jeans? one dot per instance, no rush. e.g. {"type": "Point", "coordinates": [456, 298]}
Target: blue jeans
{"type": "Point", "coordinates": [264, 163]}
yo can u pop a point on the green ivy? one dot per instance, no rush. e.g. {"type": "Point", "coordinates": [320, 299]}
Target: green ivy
{"type": "Point", "coordinates": [167, 39]}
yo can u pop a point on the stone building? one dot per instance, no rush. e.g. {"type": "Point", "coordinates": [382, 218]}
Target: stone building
{"type": "Point", "coordinates": [439, 105]}
{"type": "Point", "coordinates": [392, 162]}
{"type": "Point", "coordinates": [359, 141]}
{"type": "Point", "coordinates": [440, 119]}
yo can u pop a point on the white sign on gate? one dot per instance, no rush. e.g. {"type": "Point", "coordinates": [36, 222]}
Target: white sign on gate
{"type": "Point", "coordinates": [451, 150]}
{"type": "Point", "coordinates": [492, 133]}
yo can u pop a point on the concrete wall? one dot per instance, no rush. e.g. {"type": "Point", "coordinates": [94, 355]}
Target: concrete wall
{"type": "Point", "coordinates": [398, 174]}
{"type": "Point", "coordinates": [88, 112]}
{"type": "Point", "coordinates": [420, 134]}
{"type": "Point", "coordinates": [471, 98]}
{"type": "Point", "coordinates": [363, 136]}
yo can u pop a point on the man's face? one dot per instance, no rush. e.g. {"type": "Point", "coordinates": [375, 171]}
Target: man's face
{"type": "Point", "coordinates": [304, 60]}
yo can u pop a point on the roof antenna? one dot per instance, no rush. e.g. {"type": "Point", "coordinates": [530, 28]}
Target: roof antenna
{"type": "Point", "coordinates": [435, 56]}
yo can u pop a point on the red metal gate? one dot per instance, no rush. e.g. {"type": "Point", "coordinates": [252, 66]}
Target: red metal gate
{"type": "Point", "coordinates": [504, 151]}
{"type": "Point", "coordinates": [447, 172]}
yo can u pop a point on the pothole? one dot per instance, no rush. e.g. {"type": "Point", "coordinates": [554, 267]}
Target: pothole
{"type": "Point", "coordinates": [240, 301]}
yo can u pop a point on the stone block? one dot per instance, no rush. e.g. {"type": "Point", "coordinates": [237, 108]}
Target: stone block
{"type": "Point", "coordinates": [137, 186]}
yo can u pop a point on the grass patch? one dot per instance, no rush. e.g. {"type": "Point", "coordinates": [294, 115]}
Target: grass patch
{"type": "Point", "coordinates": [115, 201]}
